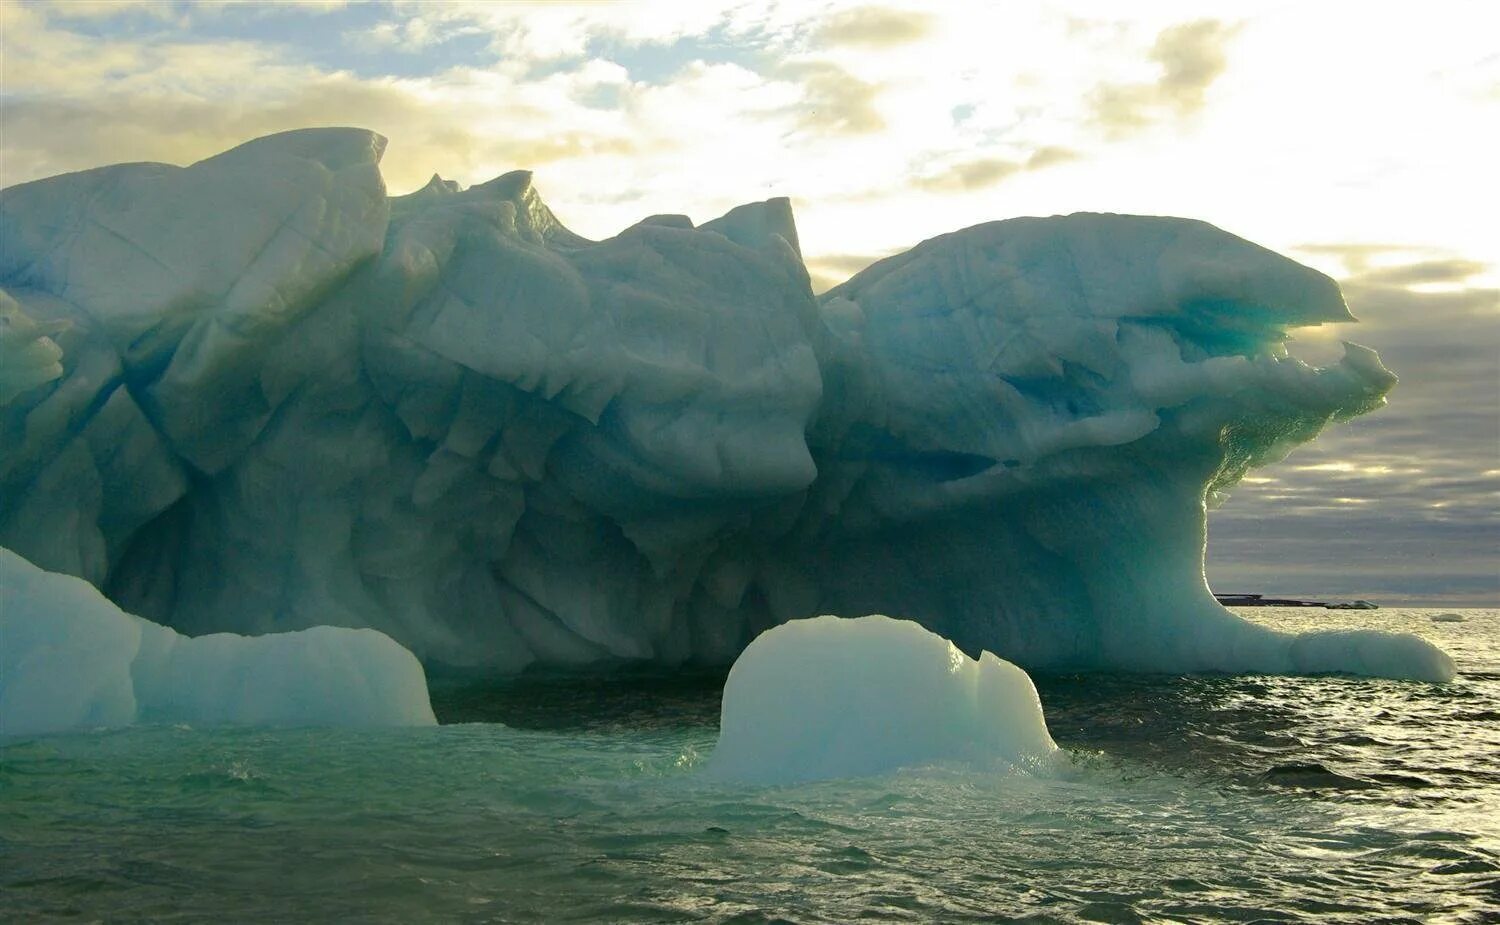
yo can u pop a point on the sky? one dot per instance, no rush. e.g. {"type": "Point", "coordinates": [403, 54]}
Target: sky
{"type": "Point", "coordinates": [1357, 137]}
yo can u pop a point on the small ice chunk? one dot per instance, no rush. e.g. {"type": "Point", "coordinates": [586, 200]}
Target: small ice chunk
{"type": "Point", "coordinates": [1448, 617]}
{"type": "Point", "coordinates": [71, 659]}
{"type": "Point", "coordinates": [834, 697]}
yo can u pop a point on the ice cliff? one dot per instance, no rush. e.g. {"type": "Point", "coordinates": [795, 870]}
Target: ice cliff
{"type": "Point", "coordinates": [256, 394]}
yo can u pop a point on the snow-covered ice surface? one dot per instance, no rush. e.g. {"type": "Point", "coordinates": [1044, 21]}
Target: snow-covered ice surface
{"type": "Point", "coordinates": [833, 697]}
{"type": "Point", "coordinates": [70, 659]}
{"type": "Point", "coordinates": [256, 394]}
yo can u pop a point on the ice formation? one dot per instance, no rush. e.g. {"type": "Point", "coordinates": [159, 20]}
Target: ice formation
{"type": "Point", "coordinates": [70, 659]}
{"type": "Point", "coordinates": [834, 697]}
{"type": "Point", "coordinates": [256, 394]}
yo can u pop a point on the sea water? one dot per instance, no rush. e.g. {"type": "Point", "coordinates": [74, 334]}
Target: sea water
{"type": "Point", "coordinates": [557, 799]}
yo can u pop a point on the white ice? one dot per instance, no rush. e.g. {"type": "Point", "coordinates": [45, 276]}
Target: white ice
{"type": "Point", "coordinates": [255, 394]}
{"type": "Point", "coordinates": [835, 697]}
{"type": "Point", "coordinates": [70, 659]}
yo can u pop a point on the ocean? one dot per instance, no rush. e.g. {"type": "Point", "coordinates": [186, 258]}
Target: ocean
{"type": "Point", "coordinates": [582, 799]}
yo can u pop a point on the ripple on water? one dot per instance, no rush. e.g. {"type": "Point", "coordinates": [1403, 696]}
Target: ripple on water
{"type": "Point", "coordinates": [1195, 799]}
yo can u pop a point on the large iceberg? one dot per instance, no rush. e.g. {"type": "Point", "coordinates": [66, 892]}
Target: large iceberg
{"type": "Point", "coordinates": [831, 697]}
{"type": "Point", "coordinates": [70, 659]}
{"type": "Point", "coordinates": [256, 394]}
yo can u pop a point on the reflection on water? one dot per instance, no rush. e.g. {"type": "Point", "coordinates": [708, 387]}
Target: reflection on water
{"type": "Point", "coordinates": [1183, 799]}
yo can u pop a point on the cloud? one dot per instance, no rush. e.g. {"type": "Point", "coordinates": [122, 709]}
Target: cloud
{"type": "Point", "coordinates": [829, 270]}
{"type": "Point", "coordinates": [834, 101]}
{"type": "Point", "coordinates": [267, 7]}
{"type": "Point", "coordinates": [49, 135]}
{"type": "Point", "coordinates": [408, 36]}
{"type": "Point", "coordinates": [104, 9]}
{"type": "Point", "coordinates": [983, 172]}
{"type": "Point", "coordinates": [874, 26]}
{"type": "Point", "coordinates": [970, 175]}
{"type": "Point", "coordinates": [1452, 270]}
{"type": "Point", "coordinates": [848, 263]}
{"type": "Point", "coordinates": [1403, 503]}
{"type": "Point", "coordinates": [1050, 156]}
{"type": "Point", "coordinates": [1356, 256]}
{"type": "Point", "coordinates": [1190, 57]}
{"type": "Point", "coordinates": [524, 34]}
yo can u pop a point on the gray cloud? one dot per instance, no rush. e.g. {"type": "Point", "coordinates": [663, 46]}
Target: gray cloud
{"type": "Point", "coordinates": [1191, 57]}
{"type": "Point", "coordinates": [1050, 156]}
{"type": "Point", "coordinates": [846, 263]}
{"type": "Point", "coordinates": [982, 172]}
{"type": "Point", "coordinates": [873, 26]}
{"type": "Point", "coordinates": [1360, 251]}
{"type": "Point", "coordinates": [47, 135]}
{"type": "Point", "coordinates": [1402, 505]}
{"type": "Point", "coordinates": [970, 175]}
{"type": "Point", "coordinates": [1427, 271]}
{"type": "Point", "coordinates": [829, 270]}
{"type": "Point", "coordinates": [834, 101]}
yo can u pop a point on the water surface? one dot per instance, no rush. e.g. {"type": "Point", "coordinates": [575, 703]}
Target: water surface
{"type": "Point", "coordinates": [1180, 799]}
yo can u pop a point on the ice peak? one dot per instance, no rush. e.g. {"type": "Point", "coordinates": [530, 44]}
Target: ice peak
{"type": "Point", "coordinates": [438, 185]}
{"type": "Point", "coordinates": [334, 148]}
{"type": "Point", "coordinates": [753, 223]}
{"type": "Point", "coordinates": [534, 220]}
{"type": "Point", "coordinates": [513, 185]}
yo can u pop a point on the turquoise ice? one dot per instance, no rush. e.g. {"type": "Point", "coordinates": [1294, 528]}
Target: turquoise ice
{"type": "Point", "coordinates": [257, 394]}
{"type": "Point", "coordinates": [830, 697]}
{"type": "Point", "coordinates": [70, 659]}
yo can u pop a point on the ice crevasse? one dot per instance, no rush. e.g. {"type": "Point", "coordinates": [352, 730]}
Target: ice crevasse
{"type": "Point", "coordinates": [256, 394]}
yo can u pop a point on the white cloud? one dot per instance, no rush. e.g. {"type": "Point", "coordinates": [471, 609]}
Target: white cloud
{"type": "Point", "coordinates": [1191, 57]}
{"type": "Point", "coordinates": [104, 9]}
{"type": "Point", "coordinates": [850, 108]}
{"type": "Point", "coordinates": [542, 31]}
{"type": "Point", "coordinates": [876, 26]}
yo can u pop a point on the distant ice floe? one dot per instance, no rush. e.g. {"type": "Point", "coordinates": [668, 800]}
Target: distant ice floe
{"type": "Point", "coordinates": [1448, 618]}
{"type": "Point", "coordinates": [70, 659]}
{"type": "Point", "coordinates": [833, 697]}
{"type": "Point", "coordinates": [257, 394]}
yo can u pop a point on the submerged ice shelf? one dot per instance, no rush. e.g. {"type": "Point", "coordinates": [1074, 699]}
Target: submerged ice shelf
{"type": "Point", "coordinates": [256, 395]}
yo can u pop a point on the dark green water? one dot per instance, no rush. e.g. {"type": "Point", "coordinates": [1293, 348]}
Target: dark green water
{"type": "Point", "coordinates": [1180, 799]}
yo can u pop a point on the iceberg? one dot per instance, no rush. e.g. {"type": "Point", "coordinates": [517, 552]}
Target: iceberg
{"type": "Point", "coordinates": [256, 394]}
{"type": "Point", "coordinates": [70, 659]}
{"type": "Point", "coordinates": [834, 697]}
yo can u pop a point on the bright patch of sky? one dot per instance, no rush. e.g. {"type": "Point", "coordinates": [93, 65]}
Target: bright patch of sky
{"type": "Point", "coordinates": [1358, 137]}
